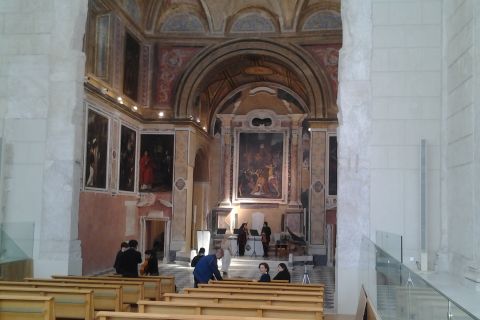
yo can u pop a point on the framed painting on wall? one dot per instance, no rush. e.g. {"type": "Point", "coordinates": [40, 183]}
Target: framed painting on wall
{"type": "Point", "coordinates": [260, 163]}
{"type": "Point", "coordinates": [156, 162]}
{"type": "Point", "coordinates": [96, 151]}
{"type": "Point", "coordinates": [128, 147]}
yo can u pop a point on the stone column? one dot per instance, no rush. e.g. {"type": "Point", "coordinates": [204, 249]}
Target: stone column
{"type": "Point", "coordinates": [57, 246]}
{"type": "Point", "coordinates": [182, 185]}
{"type": "Point", "coordinates": [296, 127]}
{"type": "Point", "coordinates": [318, 146]}
{"type": "Point", "coordinates": [227, 158]}
{"type": "Point", "coordinates": [353, 194]}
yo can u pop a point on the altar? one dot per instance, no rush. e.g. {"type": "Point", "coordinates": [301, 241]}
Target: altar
{"type": "Point", "coordinates": [249, 247]}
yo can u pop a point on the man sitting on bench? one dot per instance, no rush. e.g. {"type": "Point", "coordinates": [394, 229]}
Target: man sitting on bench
{"type": "Point", "coordinates": [207, 268]}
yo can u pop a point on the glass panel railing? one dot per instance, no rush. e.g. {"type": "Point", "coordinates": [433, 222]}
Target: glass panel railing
{"type": "Point", "coordinates": [390, 243]}
{"type": "Point", "coordinates": [399, 293]}
{"type": "Point", "coordinates": [16, 241]}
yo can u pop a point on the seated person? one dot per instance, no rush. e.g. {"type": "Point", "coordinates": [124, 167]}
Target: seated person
{"type": "Point", "coordinates": [264, 276]}
{"type": "Point", "coordinates": [283, 273]}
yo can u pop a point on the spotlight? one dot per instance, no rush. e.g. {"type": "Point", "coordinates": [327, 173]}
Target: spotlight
{"type": "Point", "coordinates": [161, 114]}
{"type": "Point", "coordinates": [198, 120]}
{"type": "Point", "coordinates": [135, 108]}
{"type": "Point", "coordinates": [120, 100]}
{"type": "Point", "coordinates": [104, 90]}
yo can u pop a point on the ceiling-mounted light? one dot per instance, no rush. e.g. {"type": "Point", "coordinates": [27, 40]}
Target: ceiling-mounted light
{"type": "Point", "coordinates": [309, 129]}
{"type": "Point", "coordinates": [120, 100]}
{"type": "Point", "coordinates": [161, 114]}
{"type": "Point", "coordinates": [198, 120]}
{"type": "Point", "coordinates": [205, 128]}
{"type": "Point", "coordinates": [135, 108]}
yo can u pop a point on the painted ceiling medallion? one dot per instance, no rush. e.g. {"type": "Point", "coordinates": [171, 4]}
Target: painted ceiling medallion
{"type": "Point", "coordinates": [258, 71]}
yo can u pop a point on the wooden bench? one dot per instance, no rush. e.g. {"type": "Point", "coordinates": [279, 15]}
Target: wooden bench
{"type": "Point", "coordinates": [249, 300]}
{"type": "Point", "coordinates": [237, 309]}
{"type": "Point", "coordinates": [105, 315]}
{"type": "Point", "coordinates": [264, 285]}
{"type": "Point", "coordinates": [26, 307]}
{"type": "Point", "coordinates": [167, 282]}
{"type": "Point", "coordinates": [249, 280]}
{"type": "Point", "coordinates": [282, 283]}
{"type": "Point", "coordinates": [69, 303]}
{"type": "Point", "coordinates": [152, 287]}
{"type": "Point", "coordinates": [243, 291]}
{"type": "Point", "coordinates": [132, 291]}
{"type": "Point", "coordinates": [105, 297]}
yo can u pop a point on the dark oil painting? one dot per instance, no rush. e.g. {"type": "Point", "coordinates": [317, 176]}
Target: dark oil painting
{"type": "Point", "coordinates": [260, 165]}
{"type": "Point", "coordinates": [128, 144]}
{"type": "Point", "coordinates": [156, 162]}
{"type": "Point", "coordinates": [96, 150]}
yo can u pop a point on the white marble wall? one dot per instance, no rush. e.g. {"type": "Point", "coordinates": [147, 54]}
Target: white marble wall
{"type": "Point", "coordinates": [41, 94]}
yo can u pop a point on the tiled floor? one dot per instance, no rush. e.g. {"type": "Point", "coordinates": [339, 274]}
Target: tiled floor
{"type": "Point", "coordinates": [247, 267]}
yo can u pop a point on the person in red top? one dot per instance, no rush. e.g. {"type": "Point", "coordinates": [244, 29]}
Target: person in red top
{"type": "Point", "coordinates": [146, 171]}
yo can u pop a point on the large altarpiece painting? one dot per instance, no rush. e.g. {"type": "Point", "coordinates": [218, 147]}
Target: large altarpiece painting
{"type": "Point", "coordinates": [260, 166]}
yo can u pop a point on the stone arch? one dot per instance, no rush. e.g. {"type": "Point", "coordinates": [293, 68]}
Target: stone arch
{"type": "Point", "coordinates": [315, 80]}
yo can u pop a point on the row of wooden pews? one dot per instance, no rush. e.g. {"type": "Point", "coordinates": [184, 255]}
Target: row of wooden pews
{"type": "Point", "coordinates": [230, 300]}
{"type": "Point", "coordinates": [79, 297]}
{"type": "Point", "coordinates": [74, 297]}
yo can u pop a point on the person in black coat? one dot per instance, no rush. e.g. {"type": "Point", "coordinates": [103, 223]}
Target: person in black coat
{"type": "Point", "coordinates": [151, 267]}
{"type": "Point", "coordinates": [116, 265]}
{"type": "Point", "coordinates": [201, 253]}
{"type": "Point", "coordinates": [283, 273]}
{"type": "Point", "coordinates": [130, 259]}
{"type": "Point", "coordinates": [266, 233]}
{"type": "Point", "coordinates": [242, 239]}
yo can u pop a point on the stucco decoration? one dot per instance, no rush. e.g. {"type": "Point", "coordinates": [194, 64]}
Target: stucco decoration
{"type": "Point", "coordinates": [169, 65]}
{"type": "Point", "coordinates": [327, 58]}
{"type": "Point", "coordinates": [133, 9]}
{"type": "Point", "coordinates": [180, 184]}
{"type": "Point", "coordinates": [253, 22]}
{"type": "Point", "coordinates": [183, 22]}
{"type": "Point", "coordinates": [323, 20]}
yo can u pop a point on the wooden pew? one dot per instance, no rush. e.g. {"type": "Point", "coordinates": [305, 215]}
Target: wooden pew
{"type": "Point", "coordinates": [105, 297]}
{"type": "Point", "coordinates": [69, 303]}
{"type": "Point", "coordinates": [132, 291]}
{"type": "Point", "coordinates": [237, 309]}
{"type": "Point", "coordinates": [242, 291]}
{"type": "Point", "coordinates": [248, 300]}
{"type": "Point", "coordinates": [263, 285]}
{"type": "Point", "coordinates": [271, 283]}
{"type": "Point", "coordinates": [167, 281]}
{"type": "Point", "coordinates": [105, 315]}
{"type": "Point", "coordinates": [154, 287]}
{"type": "Point", "coordinates": [26, 307]}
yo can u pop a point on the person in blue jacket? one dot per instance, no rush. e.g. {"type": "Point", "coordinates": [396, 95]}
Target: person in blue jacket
{"type": "Point", "coordinates": [207, 268]}
{"type": "Point", "coordinates": [264, 269]}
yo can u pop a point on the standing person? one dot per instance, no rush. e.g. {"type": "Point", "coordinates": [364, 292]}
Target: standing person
{"type": "Point", "coordinates": [130, 259]}
{"type": "Point", "coordinates": [151, 266]}
{"type": "Point", "coordinates": [283, 273]}
{"type": "Point", "coordinates": [242, 239]}
{"type": "Point", "coordinates": [264, 269]}
{"type": "Point", "coordinates": [116, 265]}
{"type": "Point", "coordinates": [266, 233]}
{"type": "Point", "coordinates": [227, 255]}
{"type": "Point", "coordinates": [201, 253]}
{"type": "Point", "coordinates": [207, 268]}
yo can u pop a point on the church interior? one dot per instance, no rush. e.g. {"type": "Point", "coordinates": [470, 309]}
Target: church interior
{"type": "Point", "coordinates": [349, 126]}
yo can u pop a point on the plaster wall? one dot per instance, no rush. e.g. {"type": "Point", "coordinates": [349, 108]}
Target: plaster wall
{"type": "Point", "coordinates": [462, 134]}
{"type": "Point", "coordinates": [41, 80]}
{"type": "Point", "coordinates": [406, 82]}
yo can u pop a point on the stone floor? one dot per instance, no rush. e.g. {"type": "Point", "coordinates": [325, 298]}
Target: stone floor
{"type": "Point", "coordinates": [247, 267]}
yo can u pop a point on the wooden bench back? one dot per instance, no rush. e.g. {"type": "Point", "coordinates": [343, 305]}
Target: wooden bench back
{"type": "Point", "coordinates": [105, 297]}
{"type": "Point", "coordinates": [69, 303]}
{"type": "Point", "coordinates": [167, 281]}
{"type": "Point", "coordinates": [271, 283]}
{"type": "Point", "coordinates": [132, 291]}
{"type": "Point", "coordinates": [237, 309]}
{"type": "Point", "coordinates": [232, 291]}
{"type": "Point", "coordinates": [26, 307]}
{"type": "Point", "coordinates": [262, 285]}
{"type": "Point", "coordinates": [250, 299]}
{"type": "Point", "coordinates": [153, 287]}
{"type": "Point", "coordinates": [105, 315]}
